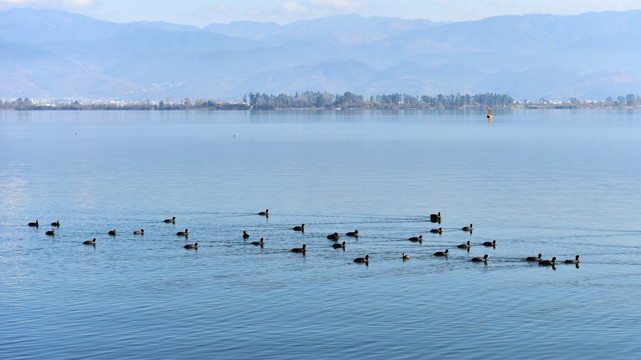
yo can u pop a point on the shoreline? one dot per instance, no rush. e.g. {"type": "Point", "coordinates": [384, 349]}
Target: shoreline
{"type": "Point", "coordinates": [322, 101]}
{"type": "Point", "coordinates": [250, 108]}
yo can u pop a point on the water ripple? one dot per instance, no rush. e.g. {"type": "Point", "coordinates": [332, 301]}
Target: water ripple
{"type": "Point", "coordinates": [145, 296]}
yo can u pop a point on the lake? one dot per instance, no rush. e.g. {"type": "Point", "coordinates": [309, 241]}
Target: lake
{"type": "Point", "coordinates": [556, 182]}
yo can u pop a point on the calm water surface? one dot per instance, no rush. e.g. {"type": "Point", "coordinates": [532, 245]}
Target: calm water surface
{"type": "Point", "coordinates": [556, 182]}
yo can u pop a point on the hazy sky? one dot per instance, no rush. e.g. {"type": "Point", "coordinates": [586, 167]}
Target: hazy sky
{"type": "Point", "coordinates": [203, 12]}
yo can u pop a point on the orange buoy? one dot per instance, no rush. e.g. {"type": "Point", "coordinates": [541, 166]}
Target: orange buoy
{"type": "Point", "coordinates": [489, 114]}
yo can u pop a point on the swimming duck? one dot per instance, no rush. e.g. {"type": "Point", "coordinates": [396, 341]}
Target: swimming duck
{"type": "Point", "coordinates": [480, 259]}
{"type": "Point", "coordinates": [333, 237]}
{"type": "Point", "coordinates": [435, 218]}
{"type": "Point", "coordinates": [90, 242]}
{"type": "Point", "coordinates": [183, 233]}
{"type": "Point", "coordinates": [258, 243]}
{"type": "Point", "coordinates": [56, 223]}
{"type": "Point", "coordinates": [264, 213]}
{"type": "Point", "coordinates": [299, 228]}
{"type": "Point", "coordinates": [339, 246]}
{"type": "Point", "coordinates": [437, 231]}
{"type": "Point", "coordinates": [464, 246]}
{"type": "Point", "coordinates": [416, 238]}
{"type": "Point", "coordinates": [112, 232]}
{"type": "Point", "coordinates": [170, 221]}
{"type": "Point", "coordinates": [139, 232]}
{"type": "Point", "coordinates": [573, 261]}
{"type": "Point", "coordinates": [547, 262]}
{"type": "Point", "coordinates": [404, 256]}
{"type": "Point", "coordinates": [299, 250]}
{"type": "Point", "coordinates": [442, 253]}
{"type": "Point", "coordinates": [490, 243]}
{"type": "Point", "coordinates": [352, 233]}
{"type": "Point", "coordinates": [467, 228]}
{"type": "Point", "coordinates": [245, 234]}
{"type": "Point", "coordinates": [534, 258]}
{"type": "Point", "coordinates": [50, 232]}
{"type": "Point", "coordinates": [34, 224]}
{"type": "Point", "coordinates": [364, 260]}
{"type": "Point", "coordinates": [191, 246]}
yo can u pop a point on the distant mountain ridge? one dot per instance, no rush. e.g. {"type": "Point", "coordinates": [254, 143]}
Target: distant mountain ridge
{"type": "Point", "coordinates": [56, 54]}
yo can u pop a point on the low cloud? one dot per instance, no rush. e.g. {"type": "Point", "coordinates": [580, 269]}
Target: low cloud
{"type": "Point", "coordinates": [78, 3]}
{"type": "Point", "coordinates": [218, 8]}
{"type": "Point", "coordinates": [337, 4]}
{"type": "Point", "coordinates": [294, 10]}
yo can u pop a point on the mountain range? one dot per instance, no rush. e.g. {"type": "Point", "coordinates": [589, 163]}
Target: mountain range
{"type": "Point", "coordinates": [56, 54]}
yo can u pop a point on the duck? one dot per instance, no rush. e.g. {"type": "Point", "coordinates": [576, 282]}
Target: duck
{"type": "Point", "coordinates": [361, 260]}
{"type": "Point", "coordinates": [480, 259]}
{"type": "Point", "coordinates": [299, 228]}
{"type": "Point", "coordinates": [56, 223]}
{"type": "Point", "coordinates": [170, 221]}
{"type": "Point", "coordinates": [139, 232]}
{"type": "Point", "coordinates": [339, 246]}
{"type": "Point", "coordinates": [245, 234]}
{"type": "Point", "coordinates": [547, 262]}
{"type": "Point", "coordinates": [264, 213]}
{"type": "Point", "coordinates": [258, 243]}
{"type": "Point", "coordinates": [191, 246]}
{"type": "Point", "coordinates": [112, 232]}
{"type": "Point", "coordinates": [333, 237]}
{"type": "Point", "coordinates": [404, 256]}
{"type": "Point", "coordinates": [435, 217]}
{"type": "Point", "coordinates": [442, 253]}
{"type": "Point", "coordinates": [490, 243]}
{"type": "Point", "coordinates": [467, 228]}
{"type": "Point", "coordinates": [51, 232]}
{"type": "Point", "coordinates": [352, 233]}
{"type": "Point", "coordinates": [90, 242]}
{"type": "Point", "coordinates": [416, 238]}
{"type": "Point", "coordinates": [183, 233]}
{"type": "Point", "coordinates": [534, 258]}
{"type": "Point", "coordinates": [299, 250]}
{"type": "Point", "coordinates": [464, 246]}
{"type": "Point", "coordinates": [437, 231]}
{"type": "Point", "coordinates": [34, 224]}
{"type": "Point", "coordinates": [573, 261]}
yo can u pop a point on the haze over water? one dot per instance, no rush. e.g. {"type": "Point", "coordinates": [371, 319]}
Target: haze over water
{"type": "Point", "coordinates": [558, 182]}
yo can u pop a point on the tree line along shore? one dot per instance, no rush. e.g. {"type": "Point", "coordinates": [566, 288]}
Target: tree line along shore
{"type": "Point", "coordinates": [314, 100]}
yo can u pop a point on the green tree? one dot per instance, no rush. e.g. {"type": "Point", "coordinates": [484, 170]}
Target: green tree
{"type": "Point", "coordinates": [631, 100]}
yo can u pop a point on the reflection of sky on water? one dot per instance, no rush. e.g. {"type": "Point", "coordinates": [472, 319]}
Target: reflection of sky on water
{"type": "Point", "coordinates": [13, 194]}
{"type": "Point", "coordinates": [534, 181]}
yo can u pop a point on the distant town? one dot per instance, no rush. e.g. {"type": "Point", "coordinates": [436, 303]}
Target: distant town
{"type": "Point", "coordinates": [312, 100]}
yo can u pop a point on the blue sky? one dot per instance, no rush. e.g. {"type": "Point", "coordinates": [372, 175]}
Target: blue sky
{"type": "Point", "coordinates": [204, 12]}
